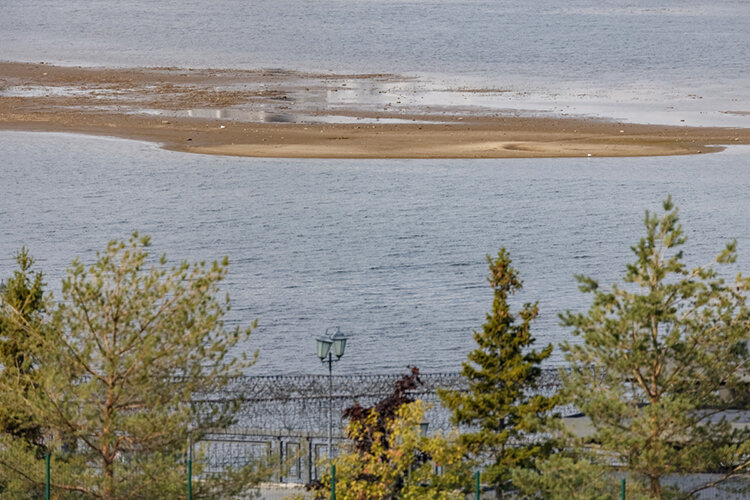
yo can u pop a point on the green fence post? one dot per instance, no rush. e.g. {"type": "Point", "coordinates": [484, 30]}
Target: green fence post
{"type": "Point", "coordinates": [333, 482]}
{"type": "Point", "coordinates": [46, 483]}
{"type": "Point", "coordinates": [476, 485]}
{"type": "Point", "coordinates": [190, 480]}
{"type": "Point", "coordinates": [190, 470]}
{"type": "Point", "coordinates": [622, 489]}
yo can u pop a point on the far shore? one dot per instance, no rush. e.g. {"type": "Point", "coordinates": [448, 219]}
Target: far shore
{"type": "Point", "coordinates": [268, 113]}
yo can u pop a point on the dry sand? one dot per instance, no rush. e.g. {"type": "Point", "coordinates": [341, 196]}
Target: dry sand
{"type": "Point", "coordinates": [152, 104]}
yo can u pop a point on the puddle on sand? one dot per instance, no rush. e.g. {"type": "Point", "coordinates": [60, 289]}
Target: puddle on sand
{"type": "Point", "coordinates": [256, 116]}
{"type": "Point", "coordinates": [352, 101]}
{"type": "Point", "coordinates": [31, 91]}
{"type": "Point", "coordinates": [334, 104]}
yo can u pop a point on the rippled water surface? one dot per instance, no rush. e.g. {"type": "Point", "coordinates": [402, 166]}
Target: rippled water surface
{"type": "Point", "coordinates": [391, 251]}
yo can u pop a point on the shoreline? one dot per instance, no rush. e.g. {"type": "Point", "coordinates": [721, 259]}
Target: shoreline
{"type": "Point", "coordinates": [286, 114]}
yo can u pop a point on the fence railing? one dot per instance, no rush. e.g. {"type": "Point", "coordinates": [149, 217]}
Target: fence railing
{"type": "Point", "coordinates": [299, 403]}
{"type": "Point", "coordinates": [287, 416]}
{"type": "Point", "coordinates": [284, 419]}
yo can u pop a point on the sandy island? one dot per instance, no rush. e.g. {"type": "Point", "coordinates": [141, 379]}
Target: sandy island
{"type": "Point", "coordinates": [275, 113]}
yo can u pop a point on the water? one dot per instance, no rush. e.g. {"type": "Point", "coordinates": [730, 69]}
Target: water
{"type": "Point", "coordinates": [391, 251]}
{"type": "Point", "coordinates": [658, 61]}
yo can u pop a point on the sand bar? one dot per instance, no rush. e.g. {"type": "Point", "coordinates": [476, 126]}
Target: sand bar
{"type": "Point", "coordinates": [276, 113]}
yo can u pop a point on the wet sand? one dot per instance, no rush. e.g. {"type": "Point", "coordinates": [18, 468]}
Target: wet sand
{"type": "Point", "coordinates": [274, 113]}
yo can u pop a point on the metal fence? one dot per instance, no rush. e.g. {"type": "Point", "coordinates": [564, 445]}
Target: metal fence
{"type": "Point", "coordinates": [300, 403]}
{"type": "Point", "coordinates": [286, 417]}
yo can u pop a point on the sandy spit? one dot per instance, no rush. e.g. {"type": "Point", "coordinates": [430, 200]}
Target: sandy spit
{"type": "Point", "coordinates": [149, 104]}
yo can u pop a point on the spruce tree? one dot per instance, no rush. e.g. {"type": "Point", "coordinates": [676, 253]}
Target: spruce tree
{"type": "Point", "coordinates": [502, 374]}
{"type": "Point", "coordinates": [21, 301]}
{"type": "Point", "coordinates": [663, 356]}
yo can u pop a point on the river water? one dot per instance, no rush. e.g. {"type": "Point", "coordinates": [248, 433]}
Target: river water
{"type": "Point", "coordinates": [392, 251]}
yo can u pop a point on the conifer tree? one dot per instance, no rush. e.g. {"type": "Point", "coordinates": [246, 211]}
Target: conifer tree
{"type": "Point", "coordinates": [565, 477]}
{"type": "Point", "coordinates": [502, 372]}
{"type": "Point", "coordinates": [118, 364]}
{"type": "Point", "coordinates": [21, 298]}
{"type": "Point", "coordinates": [662, 357]}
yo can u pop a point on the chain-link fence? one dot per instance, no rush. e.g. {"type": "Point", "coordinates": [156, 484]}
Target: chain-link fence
{"type": "Point", "coordinates": [281, 423]}
{"type": "Point", "coordinates": [286, 417]}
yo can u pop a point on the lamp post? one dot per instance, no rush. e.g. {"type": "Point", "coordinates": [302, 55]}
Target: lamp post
{"type": "Point", "coordinates": [328, 346]}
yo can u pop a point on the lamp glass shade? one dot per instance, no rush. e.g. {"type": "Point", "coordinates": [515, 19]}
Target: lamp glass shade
{"type": "Point", "coordinates": [323, 346]}
{"type": "Point", "coordinates": [423, 426]}
{"type": "Point", "coordinates": [339, 344]}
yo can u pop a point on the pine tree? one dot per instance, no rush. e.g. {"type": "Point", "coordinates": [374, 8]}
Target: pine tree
{"type": "Point", "coordinates": [21, 299]}
{"type": "Point", "coordinates": [117, 366]}
{"type": "Point", "coordinates": [662, 356]}
{"type": "Point", "coordinates": [502, 372]}
{"type": "Point", "coordinates": [564, 477]}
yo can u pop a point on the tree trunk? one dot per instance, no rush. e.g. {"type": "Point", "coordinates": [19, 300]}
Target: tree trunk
{"type": "Point", "coordinates": [655, 487]}
{"type": "Point", "coordinates": [108, 478]}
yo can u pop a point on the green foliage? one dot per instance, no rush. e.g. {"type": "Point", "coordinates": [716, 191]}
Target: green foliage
{"type": "Point", "coordinates": [661, 357]}
{"type": "Point", "coordinates": [400, 463]}
{"type": "Point", "coordinates": [501, 372]}
{"type": "Point", "coordinates": [562, 477]}
{"type": "Point", "coordinates": [116, 365]}
{"type": "Point", "coordinates": [21, 301]}
{"type": "Point", "coordinates": [574, 470]}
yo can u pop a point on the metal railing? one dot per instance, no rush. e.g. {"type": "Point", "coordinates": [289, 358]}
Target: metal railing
{"type": "Point", "coordinates": [299, 403]}
{"type": "Point", "coordinates": [286, 416]}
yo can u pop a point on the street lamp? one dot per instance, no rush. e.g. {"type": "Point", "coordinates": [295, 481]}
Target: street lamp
{"type": "Point", "coordinates": [328, 347]}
